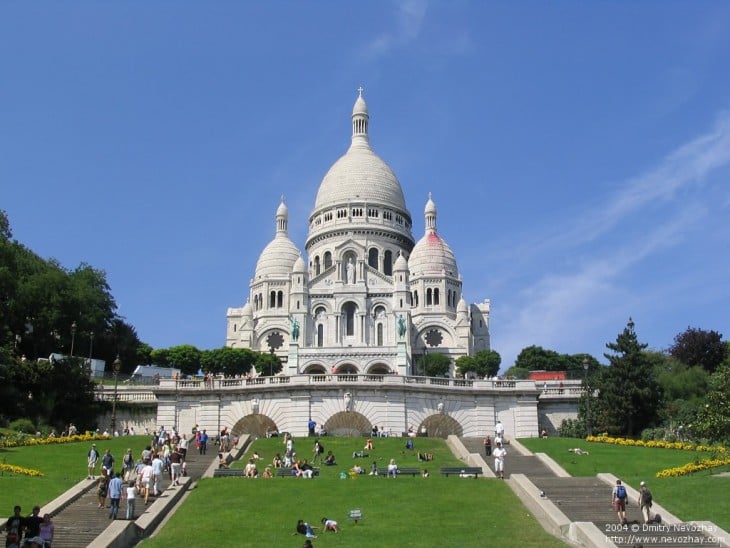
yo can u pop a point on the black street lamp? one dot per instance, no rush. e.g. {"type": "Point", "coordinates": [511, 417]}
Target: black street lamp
{"type": "Point", "coordinates": [586, 364]}
{"type": "Point", "coordinates": [91, 347]}
{"type": "Point", "coordinates": [117, 365]}
{"type": "Point", "coordinates": [73, 337]}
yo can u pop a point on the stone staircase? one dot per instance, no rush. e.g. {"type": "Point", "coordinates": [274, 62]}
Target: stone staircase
{"type": "Point", "coordinates": [588, 499]}
{"type": "Point", "coordinates": [81, 521]}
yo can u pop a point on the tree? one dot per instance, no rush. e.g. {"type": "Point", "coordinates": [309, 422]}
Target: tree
{"type": "Point", "coordinates": [161, 357]}
{"type": "Point", "coordinates": [629, 396]}
{"type": "Point", "coordinates": [435, 365]}
{"type": "Point", "coordinates": [267, 363]}
{"type": "Point", "coordinates": [699, 347]}
{"type": "Point", "coordinates": [228, 361]}
{"type": "Point", "coordinates": [713, 422]}
{"type": "Point", "coordinates": [484, 363]}
{"type": "Point", "coordinates": [185, 357]}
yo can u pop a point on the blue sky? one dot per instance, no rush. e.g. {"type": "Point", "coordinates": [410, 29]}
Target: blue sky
{"type": "Point", "coordinates": [578, 152]}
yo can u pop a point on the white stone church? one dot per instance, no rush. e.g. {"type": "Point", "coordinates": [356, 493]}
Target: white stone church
{"type": "Point", "coordinates": [366, 298]}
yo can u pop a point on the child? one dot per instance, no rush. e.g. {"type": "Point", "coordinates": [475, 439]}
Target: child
{"type": "Point", "coordinates": [330, 525]}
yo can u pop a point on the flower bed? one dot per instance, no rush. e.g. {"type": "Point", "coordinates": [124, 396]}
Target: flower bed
{"type": "Point", "coordinates": [23, 440]}
{"type": "Point", "coordinates": [692, 467]}
{"type": "Point", "coordinates": [20, 470]}
{"type": "Point", "coordinates": [685, 446]}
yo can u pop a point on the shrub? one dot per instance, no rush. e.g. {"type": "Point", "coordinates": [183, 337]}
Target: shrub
{"type": "Point", "coordinates": [572, 428]}
{"type": "Point", "coordinates": [22, 425]}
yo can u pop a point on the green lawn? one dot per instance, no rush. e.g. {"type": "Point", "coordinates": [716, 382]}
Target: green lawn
{"type": "Point", "coordinates": [63, 466]}
{"type": "Point", "coordinates": [700, 496]}
{"type": "Point", "coordinates": [408, 511]}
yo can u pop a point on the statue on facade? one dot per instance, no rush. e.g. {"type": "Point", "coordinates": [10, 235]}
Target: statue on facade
{"type": "Point", "coordinates": [401, 326]}
{"type": "Point", "coordinates": [294, 329]}
{"type": "Point", "coordinates": [350, 270]}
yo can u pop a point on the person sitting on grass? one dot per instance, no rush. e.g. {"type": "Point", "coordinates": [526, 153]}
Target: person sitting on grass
{"type": "Point", "coordinates": [303, 528]}
{"type": "Point", "coordinates": [392, 469]}
{"type": "Point", "coordinates": [296, 469]}
{"type": "Point", "coordinates": [267, 472]}
{"type": "Point", "coordinates": [277, 462]}
{"type": "Point", "coordinates": [329, 460]}
{"type": "Point", "coordinates": [423, 457]}
{"type": "Point", "coordinates": [369, 445]}
{"type": "Point", "coordinates": [330, 525]}
{"type": "Point", "coordinates": [374, 469]}
{"type": "Point", "coordinates": [307, 470]}
{"type": "Point", "coordinates": [222, 461]}
{"type": "Point", "coordinates": [250, 471]}
{"type": "Point", "coordinates": [359, 454]}
{"type": "Point", "coordinates": [356, 470]}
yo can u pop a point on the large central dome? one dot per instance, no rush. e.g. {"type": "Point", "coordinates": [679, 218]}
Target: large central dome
{"type": "Point", "coordinates": [360, 175]}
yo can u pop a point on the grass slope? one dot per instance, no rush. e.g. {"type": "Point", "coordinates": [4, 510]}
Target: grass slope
{"type": "Point", "coordinates": [700, 496]}
{"type": "Point", "coordinates": [408, 511]}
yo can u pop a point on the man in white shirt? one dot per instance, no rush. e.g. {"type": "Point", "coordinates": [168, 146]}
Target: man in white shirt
{"type": "Point", "coordinates": [157, 467]}
{"type": "Point", "coordinates": [499, 454]}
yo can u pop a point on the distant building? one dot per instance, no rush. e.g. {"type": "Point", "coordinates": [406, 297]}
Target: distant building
{"type": "Point", "coordinates": [366, 297]}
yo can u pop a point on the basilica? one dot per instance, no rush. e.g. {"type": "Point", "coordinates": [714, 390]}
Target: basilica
{"type": "Point", "coordinates": [364, 297]}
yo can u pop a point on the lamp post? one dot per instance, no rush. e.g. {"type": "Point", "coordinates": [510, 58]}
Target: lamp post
{"type": "Point", "coordinates": [91, 347]}
{"type": "Point", "coordinates": [117, 365]}
{"type": "Point", "coordinates": [588, 397]}
{"type": "Point", "coordinates": [73, 337]}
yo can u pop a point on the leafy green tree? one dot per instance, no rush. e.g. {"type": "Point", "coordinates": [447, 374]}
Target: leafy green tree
{"type": "Point", "coordinates": [484, 363]}
{"type": "Point", "coordinates": [713, 421]}
{"type": "Point", "coordinates": [144, 354]}
{"type": "Point", "coordinates": [515, 372]}
{"type": "Point", "coordinates": [161, 357]}
{"type": "Point", "coordinates": [185, 357]}
{"type": "Point", "coordinates": [229, 361]}
{"type": "Point", "coordinates": [267, 363]}
{"type": "Point", "coordinates": [629, 397]}
{"type": "Point", "coordinates": [698, 347]}
{"type": "Point", "coordinates": [435, 365]}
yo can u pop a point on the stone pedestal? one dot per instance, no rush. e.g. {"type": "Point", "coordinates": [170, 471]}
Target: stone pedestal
{"type": "Point", "coordinates": [401, 359]}
{"type": "Point", "coordinates": [292, 364]}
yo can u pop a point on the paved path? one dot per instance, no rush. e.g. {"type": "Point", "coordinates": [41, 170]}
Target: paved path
{"type": "Point", "coordinates": [82, 521]}
{"type": "Point", "coordinates": [586, 499]}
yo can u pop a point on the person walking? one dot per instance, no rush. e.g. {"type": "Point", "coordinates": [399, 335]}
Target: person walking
{"type": "Point", "coordinates": [115, 494]}
{"type": "Point", "coordinates": [203, 442]}
{"type": "Point", "coordinates": [131, 497]}
{"type": "Point", "coordinates": [318, 450]}
{"type": "Point", "coordinates": [92, 458]}
{"type": "Point", "coordinates": [488, 446]}
{"type": "Point", "coordinates": [645, 501]}
{"type": "Point", "coordinates": [618, 501]}
{"type": "Point", "coordinates": [499, 454]}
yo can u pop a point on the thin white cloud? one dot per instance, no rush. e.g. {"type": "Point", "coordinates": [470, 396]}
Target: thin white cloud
{"type": "Point", "coordinates": [592, 292]}
{"type": "Point", "coordinates": [409, 22]}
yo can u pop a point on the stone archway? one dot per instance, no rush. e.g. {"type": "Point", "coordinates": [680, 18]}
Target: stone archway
{"type": "Point", "coordinates": [441, 426]}
{"type": "Point", "coordinates": [347, 423]}
{"type": "Point", "coordinates": [254, 425]}
{"type": "Point", "coordinates": [347, 369]}
{"type": "Point", "coordinates": [379, 369]}
{"type": "Point", "coordinates": [316, 369]}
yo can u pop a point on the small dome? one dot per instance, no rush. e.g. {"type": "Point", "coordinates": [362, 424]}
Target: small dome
{"type": "Point", "coordinates": [432, 257]}
{"type": "Point", "coordinates": [277, 259]}
{"type": "Point", "coordinates": [430, 208]}
{"type": "Point", "coordinates": [400, 263]}
{"type": "Point", "coordinates": [299, 266]}
{"type": "Point", "coordinates": [462, 307]}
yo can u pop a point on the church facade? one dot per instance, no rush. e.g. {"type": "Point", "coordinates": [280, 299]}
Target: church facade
{"type": "Point", "coordinates": [365, 297]}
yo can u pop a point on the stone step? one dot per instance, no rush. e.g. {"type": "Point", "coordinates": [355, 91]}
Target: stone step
{"type": "Point", "coordinates": [79, 523]}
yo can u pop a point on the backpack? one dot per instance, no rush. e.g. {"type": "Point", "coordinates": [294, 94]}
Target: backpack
{"type": "Point", "coordinates": [621, 492]}
{"type": "Point", "coordinates": [647, 497]}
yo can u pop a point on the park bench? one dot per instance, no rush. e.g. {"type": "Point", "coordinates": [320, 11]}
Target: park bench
{"type": "Point", "coordinates": [461, 471]}
{"type": "Point", "coordinates": [355, 515]}
{"type": "Point", "coordinates": [401, 471]}
{"type": "Point", "coordinates": [286, 472]}
{"type": "Point", "coordinates": [228, 472]}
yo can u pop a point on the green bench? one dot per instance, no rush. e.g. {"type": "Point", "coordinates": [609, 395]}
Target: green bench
{"type": "Point", "coordinates": [461, 471]}
{"type": "Point", "coordinates": [228, 472]}
{"type": "Point", "coordinates": [401, 471]}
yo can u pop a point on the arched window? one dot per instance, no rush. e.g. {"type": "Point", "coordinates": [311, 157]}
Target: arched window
{"type": "Point", "coordinates": [349, 310]}
{"type": "Point", "coordinates": [320, 335]}
{"type": "Point", "coordinates": [380, 334]}
{"type": "Point", "coordinates": [436, 296]}
{"type": "Point", "coordinates": [316, 266]}
{"type": "Point", "coordinates": [327, 260]}
{"type": "Point", "coordinates": [373, 258]}
{"type": "Point", "coordinates": [388, 263]}
{"type": "Point", "coordinates": [415, 298]}
{"type": "Point", "coordinates": [280, 299]}
{"type": "Point", "coordinates": [429, 297]}
{"type": "Point", "coordinates": [272, 299]}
